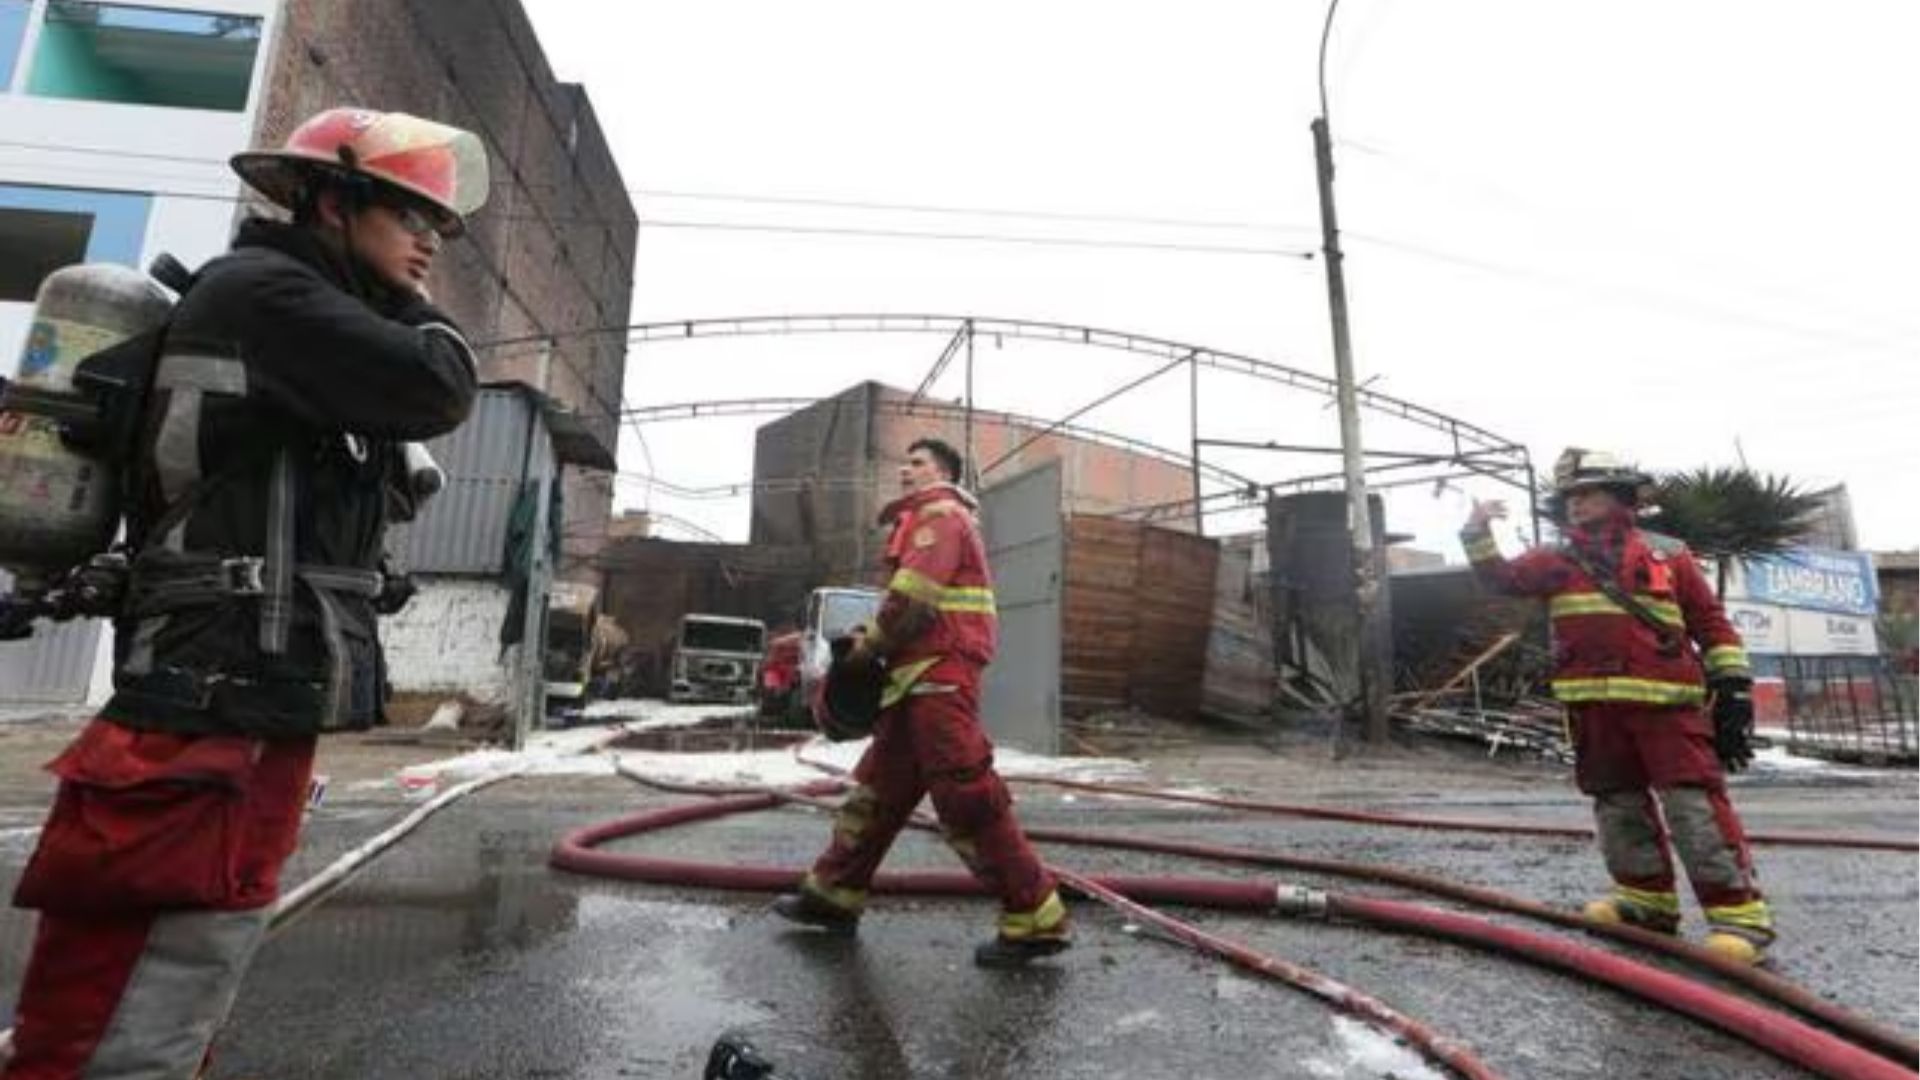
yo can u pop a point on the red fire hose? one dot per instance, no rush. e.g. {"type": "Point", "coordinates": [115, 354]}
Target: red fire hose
{"type": "Point", "coordinates": [1326, 813]}
{"type": "Point", "coordinates": [1882, 1039]}
{"type": "Point", "coordinates": [1780, 1035]}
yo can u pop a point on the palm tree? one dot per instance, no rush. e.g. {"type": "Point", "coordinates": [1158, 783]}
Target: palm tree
{"type": "Point", "coordinates": [1727, 513]}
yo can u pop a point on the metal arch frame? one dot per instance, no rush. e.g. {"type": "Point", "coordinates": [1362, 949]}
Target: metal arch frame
{"type": "Point", "coordinates": [1504, 464]}
{"type": "Point", "coordinates": [951, 325]}
{"type": "Point", "coordinates": [694, 410]}
{"type": "Point", "coordinates": [1476, 451]}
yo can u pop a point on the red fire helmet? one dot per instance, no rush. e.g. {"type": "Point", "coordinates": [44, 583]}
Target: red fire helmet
{"type": "Point", "coordinates": [441, 165]}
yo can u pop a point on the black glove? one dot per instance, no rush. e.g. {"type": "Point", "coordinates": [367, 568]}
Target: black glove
{"type": "Point", "coordinates": [1732, 698]}
{"type": "Point", "coordinates": [98, 587]}
{"type": "Point", "coordinates": [733, 1058]}
{"type": "Point", "coordinates": [395, 591]}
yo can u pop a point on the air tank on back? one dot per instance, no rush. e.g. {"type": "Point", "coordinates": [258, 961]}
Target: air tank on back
{"type": "Point", "coordinates": [57, 505]}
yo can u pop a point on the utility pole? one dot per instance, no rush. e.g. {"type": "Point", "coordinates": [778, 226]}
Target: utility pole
{"type": "Point", "coordinates": [1374, 668]}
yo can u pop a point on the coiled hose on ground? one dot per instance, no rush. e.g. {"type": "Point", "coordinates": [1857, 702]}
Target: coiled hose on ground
{"type": "Point", "coordinates": [1783, 1036]}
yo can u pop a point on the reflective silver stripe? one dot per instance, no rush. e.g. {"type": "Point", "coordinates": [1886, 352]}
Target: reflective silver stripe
{"type": "Point", "coordinates": [333, 579]}
{"type": "Point", "coordinates": [465, 349]}
{"type": "Point", "coordinates": [214, 374]}
{"type": "Point", "coordinates": [140, 653]}
{"type": "Point", "coordinates": [339, 673]}
{"type": "Point", "coordinates": [276, 602]}
{"type": "Point", "coordinates": [178, 995]}
{"type": "Point", "coordinates": [176, 448]}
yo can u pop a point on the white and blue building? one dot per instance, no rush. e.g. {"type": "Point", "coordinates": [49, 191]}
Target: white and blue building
{"type": "Point", "coordinates": [116, 122]}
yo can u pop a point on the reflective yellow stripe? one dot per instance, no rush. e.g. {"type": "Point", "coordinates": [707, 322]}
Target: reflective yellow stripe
{"type": "Point", "coordinates": [1619, 688]}
{"type": "Point", "coordinates": [848, 900]}
{"type": "Point", "coordinates": [1043, 921]}
{"type": "Point", "coordinates": [1722, 658]}
{"type": "Point", "coordinates": [1593, 603]}
{"type": "Point", "coordinates": [901, 679]}
{"type": "Point", "coordinates": [1660, 903]}
{"type": "Point", "coordinates": [971, 599]}
{"type": "Point", "coordinates": [1752, 915]}
{"type": "Point", "coordinates": [916, 586]}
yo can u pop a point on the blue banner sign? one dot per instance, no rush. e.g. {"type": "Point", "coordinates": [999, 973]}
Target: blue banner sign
{"type": "Point", "coordinates": [1841, 581]}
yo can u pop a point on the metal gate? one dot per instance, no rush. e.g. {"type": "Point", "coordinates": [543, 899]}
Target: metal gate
{"type": "Point", "coordinates": [53, 667]}
{"type": "Point", "coordinates": [1021, 700]}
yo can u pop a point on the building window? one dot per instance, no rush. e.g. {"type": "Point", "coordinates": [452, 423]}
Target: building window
{"type": "Point", "coordinates": [43, 229]}
{"type": "Point", "coordinates": [13, 27]}
{"type": "Point", "coordinates": [145, 56]}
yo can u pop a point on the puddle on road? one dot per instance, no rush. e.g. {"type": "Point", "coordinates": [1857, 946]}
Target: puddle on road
{"type": "Point", "coordinates": [1359, 1051]}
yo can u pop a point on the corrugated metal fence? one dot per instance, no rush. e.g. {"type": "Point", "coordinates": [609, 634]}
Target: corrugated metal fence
{"type": "Point", "coordinates": [464, 529]}
{"type": "Point", "coordinates": [54, 666]}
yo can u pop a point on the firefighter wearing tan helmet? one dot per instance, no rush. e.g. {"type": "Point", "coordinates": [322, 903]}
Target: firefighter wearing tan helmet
{"type": "Point", "coordinates": [284, 385]}
{"type": "Point", "coordinates": [1659, 699]}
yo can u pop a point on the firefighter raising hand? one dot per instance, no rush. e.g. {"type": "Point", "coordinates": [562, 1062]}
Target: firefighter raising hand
{"type": "Point", "coordinates": [1484, 512]}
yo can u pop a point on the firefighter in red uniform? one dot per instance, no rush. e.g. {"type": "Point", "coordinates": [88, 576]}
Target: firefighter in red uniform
{"type": "Point", "coordinates": [1658, 699]}
{"type": "Point", "coordinates": [935, 633]}
{"type": "Point", "coordinates": [286, 382]}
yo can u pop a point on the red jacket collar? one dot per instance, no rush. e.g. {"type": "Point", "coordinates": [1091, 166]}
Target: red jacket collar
{"type": "Point", "coordinates": [942, 492]}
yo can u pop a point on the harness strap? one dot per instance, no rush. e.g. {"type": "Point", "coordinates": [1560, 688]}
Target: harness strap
{"type": "Point", "coordinates": [163, 588]}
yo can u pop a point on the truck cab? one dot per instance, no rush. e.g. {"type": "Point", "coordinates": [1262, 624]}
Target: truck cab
{"type": "Point", "coordinates": [717, 658]}
{"type": "Point", "coordinates": [572, 611]}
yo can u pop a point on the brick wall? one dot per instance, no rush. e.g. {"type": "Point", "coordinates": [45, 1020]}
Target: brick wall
{"type": "Point", "coordinates": [850, 447]}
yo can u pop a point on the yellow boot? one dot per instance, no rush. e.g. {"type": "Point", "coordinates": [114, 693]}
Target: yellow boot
{"type": "Point", "coordinates": [1740, 932]}
{"type": "Point", "coordinates": [1733, 947]}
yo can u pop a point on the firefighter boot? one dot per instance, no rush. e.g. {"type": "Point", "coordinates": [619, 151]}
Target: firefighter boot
{"type": "Point", "coordinates": [1028, 935]}
{"type": "Point", "coordinates": [1740, 932]}
{"type": "Point", "coordinates": [1658, 912]}
{"type": "Point", "coordinates": [813, 905]}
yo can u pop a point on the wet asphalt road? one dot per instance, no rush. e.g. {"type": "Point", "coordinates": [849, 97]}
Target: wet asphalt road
{"type": "Point", "coordinates": [462, 955]}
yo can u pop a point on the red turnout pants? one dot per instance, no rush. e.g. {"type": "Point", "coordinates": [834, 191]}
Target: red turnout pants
{"type": "Point", "coordinates": [154, 876]}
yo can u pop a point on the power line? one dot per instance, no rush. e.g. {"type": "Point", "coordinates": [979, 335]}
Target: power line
{"type": "Point", "coordinates": [782, 200]}
{"type": "Point", "coordinates": [970, 211]}
{"type": "Point", "coordinates": [815, 230]}
{"type": "Point", "coordinates": [1642, 296]}
{"type": "Point", "coordinates": [1521, 205]}
{"type": "Point", "coordinates": [1645, 297]}
{"type": "Point", "coordinates": [987, 238]}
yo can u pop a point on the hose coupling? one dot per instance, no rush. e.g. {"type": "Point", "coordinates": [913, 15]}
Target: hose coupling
{"type": "Point", "coordinates": [1300, 900]}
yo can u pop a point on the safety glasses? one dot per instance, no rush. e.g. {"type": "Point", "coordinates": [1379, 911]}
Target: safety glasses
{"type": "Point", "coordinates": [417, 220]}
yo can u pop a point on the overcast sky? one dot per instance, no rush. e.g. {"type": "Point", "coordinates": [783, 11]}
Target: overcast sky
{"type": "Point", "coordinates": [1683, 230]}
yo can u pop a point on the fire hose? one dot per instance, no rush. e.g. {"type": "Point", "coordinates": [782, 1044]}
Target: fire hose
{"type": "Point", "coordinates": [1785, 1037]}
{"type": "Point", "coordinates": [1398, 821]}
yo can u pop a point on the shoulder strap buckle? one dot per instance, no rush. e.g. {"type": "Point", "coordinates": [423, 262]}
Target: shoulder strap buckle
{"type": "Point", "coordinates": [244, 575]}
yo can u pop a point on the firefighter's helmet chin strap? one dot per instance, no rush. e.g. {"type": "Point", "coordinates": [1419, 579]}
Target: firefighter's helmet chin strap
{"type": "Point", "coordinates": [356, 192]}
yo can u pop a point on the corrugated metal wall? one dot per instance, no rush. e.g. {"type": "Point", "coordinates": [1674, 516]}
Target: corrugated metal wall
{"type": "Point", "coordinates": [53, 666]}
{"type": "Point", "coordinates": [464, 529]}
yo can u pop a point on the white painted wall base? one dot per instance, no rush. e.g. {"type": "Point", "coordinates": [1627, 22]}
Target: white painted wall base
{"type": "Point", "coordinates": [447, 640]}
